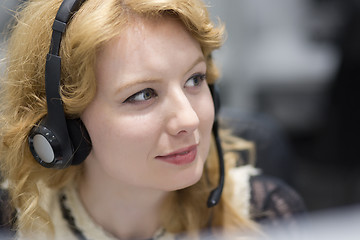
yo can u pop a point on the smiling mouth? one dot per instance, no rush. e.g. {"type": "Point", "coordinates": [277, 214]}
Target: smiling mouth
{"type": "Point", "coordinates": [180, 157]}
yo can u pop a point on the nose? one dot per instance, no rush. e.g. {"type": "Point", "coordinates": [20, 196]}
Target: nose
{"type": "Point", "coordinates": [182, 117]}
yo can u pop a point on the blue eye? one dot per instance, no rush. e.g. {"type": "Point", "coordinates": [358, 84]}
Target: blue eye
{"type": "Point", "coordinates": [195, 80]}
{"type": "Point", "coordinates": [143, 95]}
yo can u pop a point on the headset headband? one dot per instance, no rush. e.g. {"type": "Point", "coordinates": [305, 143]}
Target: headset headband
{"type": "Point", "coordinates": [53, 62]}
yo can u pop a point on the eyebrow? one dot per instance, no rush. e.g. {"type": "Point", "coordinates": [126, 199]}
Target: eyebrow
{"type": "Point", "coordinates": [197, 61]}
{"type": "Point", "coordinates": [149, 80]}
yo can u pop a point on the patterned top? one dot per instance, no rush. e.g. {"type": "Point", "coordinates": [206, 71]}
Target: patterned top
{"type": "Point", "coordinates": [264, 199]}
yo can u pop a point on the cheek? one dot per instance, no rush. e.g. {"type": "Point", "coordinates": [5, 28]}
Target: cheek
{"type": "Point", "coordinates": [121, 138]}
{"type": "Point", "coordinates": [122, 150]}
{"type": "Point", "coordinates": [115, 138]}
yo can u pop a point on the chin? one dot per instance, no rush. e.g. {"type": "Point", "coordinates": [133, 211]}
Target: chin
{"type": "Point", "coordinates": [188, 178]}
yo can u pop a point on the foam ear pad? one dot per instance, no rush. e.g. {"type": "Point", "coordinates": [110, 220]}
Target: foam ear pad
{"type": "Point", "coordinates": [80, 140]}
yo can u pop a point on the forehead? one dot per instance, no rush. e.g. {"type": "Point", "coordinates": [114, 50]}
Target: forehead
{"type": "Point", "coordinates": [146, 33]}
{"type": "Point", "coordinates": [145, 44]}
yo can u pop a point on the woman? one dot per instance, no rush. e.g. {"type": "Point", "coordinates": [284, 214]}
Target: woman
{"type": "Point", "coordinates": [134, 79]}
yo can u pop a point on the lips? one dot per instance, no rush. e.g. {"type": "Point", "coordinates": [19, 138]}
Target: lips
{"type": "Point", "coordinates": [181, 156]}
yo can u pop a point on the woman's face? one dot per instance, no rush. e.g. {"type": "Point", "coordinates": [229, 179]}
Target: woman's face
{"type": "Point", "coordinates": [150, 121]}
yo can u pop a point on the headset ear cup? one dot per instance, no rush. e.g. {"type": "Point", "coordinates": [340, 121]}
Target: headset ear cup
{"type": "Point", "coordinates": [51, 148]}
{"type": "Point", "coordinates": [55, 150]}
{"type": "Point", "coordinates": [216, 97]}
{"type": "Point", "coordinates": [80, 140]}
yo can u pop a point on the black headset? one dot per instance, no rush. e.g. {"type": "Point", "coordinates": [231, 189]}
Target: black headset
{"type": "Point", "coordinates": [58, 142]}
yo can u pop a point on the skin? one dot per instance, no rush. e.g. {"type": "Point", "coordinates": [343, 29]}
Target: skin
{"type": "Point", "coordinates": [152, 100]}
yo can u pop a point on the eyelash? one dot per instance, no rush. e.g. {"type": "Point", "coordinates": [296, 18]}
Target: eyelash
{"type": "Point", "coordinates": [149, 93]}
{"type": "Point", "coordinates": [198, 76]}
{"type": "Point", "coordinates": [143, 93]}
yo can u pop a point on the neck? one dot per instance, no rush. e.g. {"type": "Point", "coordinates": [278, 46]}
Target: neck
{"type": "Point", "coordinates": [127, 212]}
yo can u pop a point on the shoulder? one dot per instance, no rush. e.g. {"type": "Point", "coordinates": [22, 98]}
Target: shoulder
{"type": "Point", "coordinates": [49, 203]}
{"type": "Point", "coordinates": [272, 200]}
{"type": "Point", "coordinates": [6, 211]}
{"type": "Point", "coordinates": [265, 199]}
{"type": "Point", "coordinates": [7, 216]}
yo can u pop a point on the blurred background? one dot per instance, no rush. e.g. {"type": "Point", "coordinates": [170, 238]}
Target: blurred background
{"type": "Point", "coordinates": [288, 84]}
